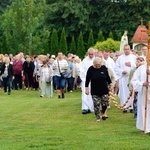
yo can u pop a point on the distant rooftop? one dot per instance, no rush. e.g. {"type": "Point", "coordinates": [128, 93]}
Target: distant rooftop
{"type": "Point", "coordinates": [140, 36]}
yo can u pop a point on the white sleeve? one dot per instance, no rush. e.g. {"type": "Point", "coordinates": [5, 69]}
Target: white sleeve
{"type": "Point", "coordinates": [82, 71]}
{"type": "Point", "coordinates": [136, 82]}
{"type": "Point", "coordinates": [118, 70]}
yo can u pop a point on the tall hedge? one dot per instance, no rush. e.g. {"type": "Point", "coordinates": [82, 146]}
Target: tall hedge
{"type": "Point", "coordinates": [63, 42]}
{"type": "Point", "coordinates": [101, 36]}
{"type": "Point", "coordinates": [90, 39]}
{"type": "Point", "coordinates": [54, 48]}
{"type": "Point", "coordinates": [73, 46]}
{"type": "Point", "coordinates": [80, 46]}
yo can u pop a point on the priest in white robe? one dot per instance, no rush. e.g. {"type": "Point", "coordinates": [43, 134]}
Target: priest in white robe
{"type": "Point", "coordinates": [87, 102]}
{"type": "Point", "coordinates": [124, 64]}
{"type": "Point", "coordinates": [139, 84]}
{"type": "Point", "coordinates": [109, 62]}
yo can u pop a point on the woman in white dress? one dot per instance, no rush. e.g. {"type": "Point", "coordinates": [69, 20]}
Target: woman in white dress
{"type": "Point", "coordinates": [46, 80]}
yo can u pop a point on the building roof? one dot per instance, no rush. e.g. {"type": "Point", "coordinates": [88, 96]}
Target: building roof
{"type": "Point", "coordinates": [140, 35]}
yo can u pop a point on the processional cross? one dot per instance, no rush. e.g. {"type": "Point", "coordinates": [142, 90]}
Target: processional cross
{"type": "Point", "coordinates": [148, 64]}
{"type": "Point", "coordinates": [142, 21]}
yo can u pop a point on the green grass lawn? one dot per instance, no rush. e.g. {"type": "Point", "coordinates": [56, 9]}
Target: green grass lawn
{"type": "Point", "coordinates": [30, 122]}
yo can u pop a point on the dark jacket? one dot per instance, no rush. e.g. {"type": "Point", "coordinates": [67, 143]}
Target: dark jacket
{"type": "Point", "coordinates": [28, 67]}
{"type": "Point", "coordinates": [10, 70]}
{"type": "Point", "coordinates": [99, 79]}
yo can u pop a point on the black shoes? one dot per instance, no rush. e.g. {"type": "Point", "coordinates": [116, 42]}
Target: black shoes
{"type": "Point", "coordinates": [131, 110]}
{"type": "Point", "coordinates": [86, 111]}
{"type": "Point", "coordinates": [124, 111]}
{"type": "Point", "coordinates": [104, 118]}
{"type": "Point", "coordinates": [63, 95]}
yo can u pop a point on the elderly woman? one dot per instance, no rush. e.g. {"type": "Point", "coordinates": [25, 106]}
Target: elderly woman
{"type": "Point", "coordinates": [7, 74]}
{"type": "Point", "coordinates": [100, 80]}
{"type": "Point", "coordinates": [28, 69]}
{"type": "Point", "coordinates": [46, 80]}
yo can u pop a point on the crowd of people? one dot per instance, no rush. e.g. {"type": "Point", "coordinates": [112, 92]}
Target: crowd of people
{"type": "Point", "coordinates": [43, 73]}
{"type": "Point", "coordinates": [99, 73]}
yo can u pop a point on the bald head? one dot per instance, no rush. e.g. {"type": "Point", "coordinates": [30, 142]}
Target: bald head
{"type": "Point", "coordinates": [91, 52]}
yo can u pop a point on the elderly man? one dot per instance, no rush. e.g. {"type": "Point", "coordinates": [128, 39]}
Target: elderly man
{"type": "Point", "coordinates": [87, 103]}
{"type": "Point", "coordinates": [109, 62]}
{"type": "Point", "coordinates": [18, 72]}
{"type": "Point", "coordinates": [123, 66]}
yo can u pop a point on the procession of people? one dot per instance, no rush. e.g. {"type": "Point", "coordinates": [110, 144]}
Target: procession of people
{"type": "Point", "coordinates": [98, 74]}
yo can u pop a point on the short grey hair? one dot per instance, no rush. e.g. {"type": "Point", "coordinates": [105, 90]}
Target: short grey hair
{"type": "Point", "coordinates": [91, 50]}
{"type": "Point", "coordinates": [97, 59]}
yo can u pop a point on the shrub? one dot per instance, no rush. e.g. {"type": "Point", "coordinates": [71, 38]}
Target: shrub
{"type": "Point", "coordinates": [110, 44]}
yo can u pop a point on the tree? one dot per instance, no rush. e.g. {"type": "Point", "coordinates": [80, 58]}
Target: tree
{"type": "Point", "coordinates": [73, 46]}
{"type": "Point", "coordinates": [111, 35]}
{"type": "Point", "coordinates": [63, 42]}
{"type": "Point", "coordinates": [100, 36]}
{"type": "Point", "coordinates": [71, 14]}
{"type": "Point", "coordinates": [54, 49]}
{"type": "Point", "coordinates": [110, 44]}
{"type": "Point", "coordinates": [20, 23]}
{"type": "Point", "coordinates": [80, 46]}
{"type": "Point", "coordinates": [106, 15]}
{"type": "Point", "coordinates": [4, 4]}
{"type": "Point", "coordinates": [90, 39]}
{"type": "Point", "coordinates": [119, 36]}
{"type": "Point", "coordinates": [40, 43]}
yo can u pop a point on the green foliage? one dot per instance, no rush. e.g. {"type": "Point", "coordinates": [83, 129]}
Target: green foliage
{"type": "Point", "coordinates": [80, 46]}
{"type": "Point", "coordinates": [119, 36]}
{"type": "Point", "coordinates": [100, 36]}
{"type": "Point", "coordinates": [90, 39]}
{"type": "Point", "coordinates": [63, 42]}
{"type": "Point", "coordinates": [20, 22]}
{"type": "Point", "coordinates": [109, 44]}
{"type": "Point", "coordinates": [54, 49]}
{"type": "Point", "coordinates": [3, 45]}
{"type": "Point", "coordinates": [73, 46]}
{"type": "Point", "coordinates": [4, 4]}
{"type": "Point", "coordinates": [71, 14]}
{"type": "Point", "coordinates": [104, 16]}
{"type": "Point", "coordinates": [110, 35]}
{"type": "Point", "coordinates": [40, 42]}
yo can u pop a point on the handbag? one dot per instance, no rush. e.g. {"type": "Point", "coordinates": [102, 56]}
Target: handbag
{"type": "Point", "coordinates": [5, 74]}
{"type": "Point", "coordinates": [48, 79]}
{"type": "Point", "coordinates": [62, 74]}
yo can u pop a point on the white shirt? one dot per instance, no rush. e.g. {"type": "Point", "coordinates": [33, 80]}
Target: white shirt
{"type": "Point", "coordinates": [62, 64]}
